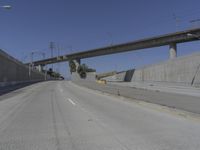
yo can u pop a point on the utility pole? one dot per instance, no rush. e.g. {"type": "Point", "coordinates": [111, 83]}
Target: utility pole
{"type": "Point", "coordinates": [177, 21]}
{"type": "Point", "coordinates": [32, 53]}
{"type": "Point", "coordinates": [31, 65]}
{"type": "Point", "coordinates": [45, 68]}
{"type": "Point", "coordinates": [58, 65]}
{"type": "Point", "coordinates": [52, 46]}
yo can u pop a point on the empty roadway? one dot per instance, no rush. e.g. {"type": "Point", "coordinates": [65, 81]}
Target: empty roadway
{"type": "Point", "coordinates": [58, 115]}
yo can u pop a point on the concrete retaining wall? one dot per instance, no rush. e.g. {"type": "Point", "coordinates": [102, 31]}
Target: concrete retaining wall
{"type": "Point", "coordinates": [124, 76]}
{"type": "Point", "coordinates": [183, 71]}
{"type": "Point", "coordinates": [129, 75]}
{"type": "Point", "coordinates": [12, 71]}
{"type": "Point", "coordinates": [119, 77]}
{"type": "Point", "coordinates": [180, 71]}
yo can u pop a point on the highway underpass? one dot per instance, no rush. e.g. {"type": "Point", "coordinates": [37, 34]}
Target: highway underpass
{"type": "Point", "coordinates": [59, 115]}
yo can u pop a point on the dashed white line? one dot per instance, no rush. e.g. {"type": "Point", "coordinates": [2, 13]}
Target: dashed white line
{"type": "Point", "coordinates": [71, 101]}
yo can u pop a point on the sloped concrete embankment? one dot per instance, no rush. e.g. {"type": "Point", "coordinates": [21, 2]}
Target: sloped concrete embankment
{"type": "Point", "coordinates": [180, 71]}
{"type": "Point", "coordinates": [14, 72]}
{"type": "Point", "coordinates": [124, 76]}
{"type": "Point", "coordinates": [183, 71]}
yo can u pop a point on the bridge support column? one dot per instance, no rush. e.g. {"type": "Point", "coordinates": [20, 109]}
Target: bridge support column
{"type": "Point", "coordinates": [40, 68]}
{"type": "Point", "coordinates": [77, 62]}
{"type": "Point", "coordinates": [172, 51]}
{"type": "Point", "coordinates": [74, 64]}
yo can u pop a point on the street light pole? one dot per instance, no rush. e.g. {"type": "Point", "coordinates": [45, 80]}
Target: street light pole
{"type": "Point", "coordinates": [52, 46]}
{"type": "Point", "coordinates": [32, 65]}
{"type": "Point", "coordinates": [45, 74]}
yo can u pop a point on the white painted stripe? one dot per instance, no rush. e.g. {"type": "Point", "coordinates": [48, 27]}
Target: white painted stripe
{"type": "Point", "coordinates": [71, 101]}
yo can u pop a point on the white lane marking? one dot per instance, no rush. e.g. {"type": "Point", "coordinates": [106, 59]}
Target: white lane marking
{"type": "Point", "coordinates": [71, 101]}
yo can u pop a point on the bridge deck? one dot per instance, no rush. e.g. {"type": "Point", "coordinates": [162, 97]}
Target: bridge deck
{"type": "Point", "coordinates": [177, 37]}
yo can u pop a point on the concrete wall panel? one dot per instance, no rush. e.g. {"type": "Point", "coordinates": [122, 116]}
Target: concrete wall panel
{"type": "Point", "coordinates": [176, 71]}
{"type": "Point", "coordinates": [129, 75]}
{"type": "Point", "coordinates": [13, 71]}
{"type": "Point", "coordinates": [119, 77]}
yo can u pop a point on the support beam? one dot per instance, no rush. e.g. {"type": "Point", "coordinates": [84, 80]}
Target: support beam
{"type": "Point", "coordinates": [172, 51]}
{"type": "Point", "coordinates": [74, 64]}
{"type": "Point", "coordinates": [78, 61]}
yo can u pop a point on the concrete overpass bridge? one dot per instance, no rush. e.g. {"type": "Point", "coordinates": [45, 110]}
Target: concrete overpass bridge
{"type": "Point", "coordinates": [168, 39]}
{"type": "Point", "coordinates": [171, 39]}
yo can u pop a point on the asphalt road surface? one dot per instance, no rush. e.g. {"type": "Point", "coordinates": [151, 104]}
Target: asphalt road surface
{"type": "Point", "coordinates": [59, 115]}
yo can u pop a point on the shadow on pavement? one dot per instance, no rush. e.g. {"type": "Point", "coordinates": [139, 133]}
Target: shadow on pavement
{"type": "Point", "coordinates": [11, 88]}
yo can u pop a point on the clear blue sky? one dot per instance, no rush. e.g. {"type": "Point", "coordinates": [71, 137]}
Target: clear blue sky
{"type": "Point", "coordinates": [78, 25]}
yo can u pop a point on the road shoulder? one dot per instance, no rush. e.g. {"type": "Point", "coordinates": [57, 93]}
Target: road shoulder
{"type": "Point", "coordinates": [153, 106]}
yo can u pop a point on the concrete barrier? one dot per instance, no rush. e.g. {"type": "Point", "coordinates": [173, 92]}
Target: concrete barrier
{"type": "Point", "coordinates": [13, 71]}
{"type": "Point", "coordinates": [196, 78]}
{"type": "Point", "coordinates": [183, 71]}
{"type": "Point", "coordinates": [173, 100]}
{"type": "Point", "coordinates": [180, 71]}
